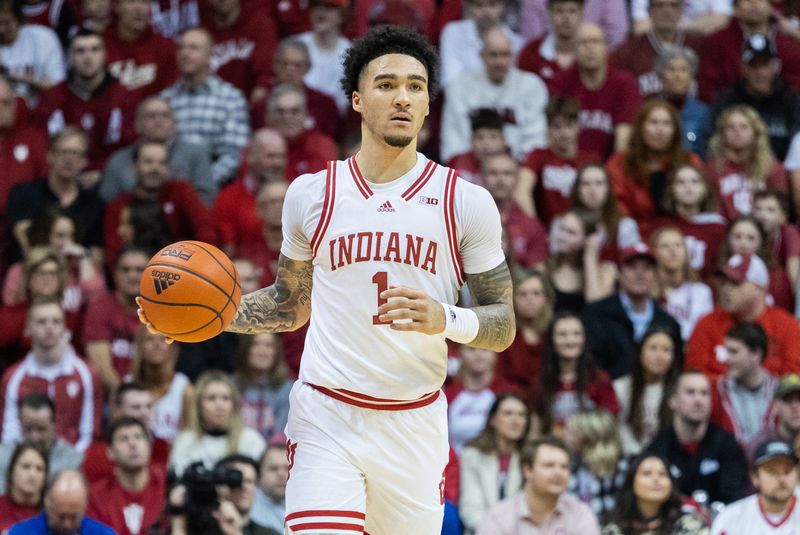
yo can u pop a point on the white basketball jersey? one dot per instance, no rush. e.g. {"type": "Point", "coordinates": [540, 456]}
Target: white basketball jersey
{"type": "Point", "coordinates": [423, 230]}
{"type": "Point", "coordinates": [747, 517]}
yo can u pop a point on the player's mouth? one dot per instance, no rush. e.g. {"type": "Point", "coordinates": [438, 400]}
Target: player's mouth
{"type": "Point", "coordinates": [401, 118]}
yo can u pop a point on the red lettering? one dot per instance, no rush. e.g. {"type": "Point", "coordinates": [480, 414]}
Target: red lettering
{"type": "Point", "coordinates": [430, 258]}
{"type": "Point", "coordinates": [393, 247]}
{"type": "Point", "coordinates": [412, 250]}
{"type": "Point", "coordinates": [345, 250]}
{"type": "Point", "coordinates": [330, 243]}
{"type": "Point", "coordinates": [378, 237]}
{"type": "Point", "coordinates": [364, 237]}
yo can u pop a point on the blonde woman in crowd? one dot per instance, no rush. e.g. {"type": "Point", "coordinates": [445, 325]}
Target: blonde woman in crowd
{"type": "Point", "coordinates": [678, 288]}
{"type": "Point", "coordinates": [741, 161]}
{"type": "Point", "coordinates": [598, 463]}
{"type": "Point", "coordinates": [153, 366]}
{"type": "Point", "coordinates": [215, 426]}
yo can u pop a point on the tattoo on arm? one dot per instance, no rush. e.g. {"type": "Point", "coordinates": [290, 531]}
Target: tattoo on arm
{"type": "Point", "coordinates": [493, 293]}
{"type": "Point", "coordinates": [284, 306]}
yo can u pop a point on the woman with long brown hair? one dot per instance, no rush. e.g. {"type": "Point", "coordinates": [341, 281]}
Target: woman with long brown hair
{"type": "Point", "coordinates": [639, 175]}
{"type": "Point", "coordinates": [25, 482]}
{"type": "Point", "coordinates": [741, 161]}
{"type": "Point", "coordinates": [153, 366]}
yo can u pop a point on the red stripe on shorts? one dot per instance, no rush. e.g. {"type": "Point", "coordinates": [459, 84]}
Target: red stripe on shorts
{"type": "Point", "coordinates": [327, 525]}
{"type": "Point", "coordinates": [368, 402]}
{"type": "Point", "coordinates": [326, 512]}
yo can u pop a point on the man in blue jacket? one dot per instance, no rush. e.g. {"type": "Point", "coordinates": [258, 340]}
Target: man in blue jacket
{"type": "Point", "coordinates": [65, 504]}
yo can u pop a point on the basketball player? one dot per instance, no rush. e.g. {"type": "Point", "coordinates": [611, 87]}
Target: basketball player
{"type": "Point", "coordinates": [386, 239]}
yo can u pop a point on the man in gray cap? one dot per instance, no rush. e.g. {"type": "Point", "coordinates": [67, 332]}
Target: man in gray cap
{"type": "Point", "coordinates": [773, 508]}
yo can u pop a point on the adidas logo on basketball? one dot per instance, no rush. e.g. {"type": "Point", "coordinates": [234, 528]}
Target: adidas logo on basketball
{"type": "Point", "coordinates": [163, 280]}
{"type": "Point", "coordinates": [386, 207]}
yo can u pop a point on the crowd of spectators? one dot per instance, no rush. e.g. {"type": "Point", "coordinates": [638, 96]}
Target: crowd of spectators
{"type": "Point", "coordinates": [644, 157]}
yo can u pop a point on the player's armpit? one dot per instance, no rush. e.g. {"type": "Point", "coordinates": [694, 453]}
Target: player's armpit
{"type": "Point", "coordinates": [284, 306]}
{"type": "Point", "coordinates": [493, 294]}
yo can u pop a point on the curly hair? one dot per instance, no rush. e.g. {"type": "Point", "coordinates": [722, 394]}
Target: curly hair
{"type": "Point", "coordinates": [384, 40]}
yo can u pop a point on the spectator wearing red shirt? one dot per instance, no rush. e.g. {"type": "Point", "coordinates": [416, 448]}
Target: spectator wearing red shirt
{"type": "Point", "coordinates": [131, 400]}
{"type": "Point", "coordinates": [741, 161]}
{"type": "Point", "coordinates": [742, 297]}
{"type": "Point", "coordinates": [113, 320]}
{"type": "Point", "coordinates": [526, 236]}
{"type": "Point", "coordinates": [487, 139]}
{"type": "Point", "coordinates": [185, 215]}
{"type": "Point", "coordinates": [130, 499]}
{"type": "Point", "coordinates": [609, 96]}
{"type": "Point", "coordinates": [290, 16]}
{"type": "Point", "coordinates": [309, 150]}
{"type": "Point", "coordinates": [554, 52]}
{"type": "Point", "coordinates": [720, 58]}
{"type": "Point", "coordinates": [142, 60]}
{"type": "Point", "coordinates": [27, 475]}
{"type": "Point", "coordinates": [244, 43]}
{"type": "Point", "coordinates": [689, 206]}
{"type": "Point", "coordinates": [53, 367]}
{"type": "Point", "coordinates": [639, 175]}
{"type": "Point", "coordinates": [548, 174]}
{"type": "Point", "coordinates": [290, 64]}
{"type": "Point", "coordinates": [533, 309]}
{"type": "Point", "coordinates": [23, 147]}
{"type": "Point", "coordinates": [570, 381]}
{"type": "Point", "coordinates": [638, 53]}
{"type": "Point", "coordinates": [235, 206]}
{"type": "Point", "coordinates": [771, 210]}
{"type": "Point", "coordinates": [91, 99]}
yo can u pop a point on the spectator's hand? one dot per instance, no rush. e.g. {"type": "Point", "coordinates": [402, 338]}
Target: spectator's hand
{"type": "Point", "coordinates": [229, 520]}
{"type": "Point", "coordinates": [89, 179]}
{"type": "Point", "coordinates": [150, 327]}
{"type": "Point", "coordinates": [416, 309]}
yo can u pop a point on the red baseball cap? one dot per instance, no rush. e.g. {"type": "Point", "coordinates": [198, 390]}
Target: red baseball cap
{"type": "Point", "coordinates": [746, 268]}
{"type": "Point", "coordinates": [638, 250]}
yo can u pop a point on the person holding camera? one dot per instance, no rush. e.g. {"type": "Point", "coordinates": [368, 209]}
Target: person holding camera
{"type": "Point", "coordinates": [217, 501]}
{"type": "Point", "coordinates": [131, 498]}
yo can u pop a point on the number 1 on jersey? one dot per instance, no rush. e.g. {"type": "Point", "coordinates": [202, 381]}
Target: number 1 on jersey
{"type": "Point", "coordinates": [381, 278]}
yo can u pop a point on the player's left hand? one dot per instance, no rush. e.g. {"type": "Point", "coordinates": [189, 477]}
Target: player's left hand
{"type": "Point", "coordinates": [426, 315]}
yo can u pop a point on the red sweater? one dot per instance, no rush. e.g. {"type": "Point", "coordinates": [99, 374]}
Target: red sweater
{"type": "Point", "coordinates": [310, 152]}
{"type": "Point", "coordinates": [23, 157]}
{"type": "Point", "coordinates": [705, 350]}
{"type": "Point", "coordinates": [11, 513]}
{"type": "Point", "coordinates": [184, 212]}
{"type": "Point", "coordinates": [146, 65]}
{"type": "Point", "coordinates": [128, 513]}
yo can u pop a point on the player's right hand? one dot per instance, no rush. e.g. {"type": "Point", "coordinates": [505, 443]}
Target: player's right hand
{"type": "Point", "coordinates": [150, 327]}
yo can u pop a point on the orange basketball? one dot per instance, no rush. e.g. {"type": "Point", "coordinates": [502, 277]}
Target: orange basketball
{"type": "Point", "coordinates": [190, 291]}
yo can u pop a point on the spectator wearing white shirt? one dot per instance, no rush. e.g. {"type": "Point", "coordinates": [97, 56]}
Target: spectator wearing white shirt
{"type": "Point", "coordinates": [699, 16]}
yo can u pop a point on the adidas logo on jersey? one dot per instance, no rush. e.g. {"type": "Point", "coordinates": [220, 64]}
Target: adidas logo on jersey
{"type": "Point", "coordinates": [163, 280]}
{"type": "Point", "coordinates": [386, 207]}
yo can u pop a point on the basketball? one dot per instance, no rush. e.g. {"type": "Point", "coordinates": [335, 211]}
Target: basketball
{"type": "Point", "coordinates": [190, 291]}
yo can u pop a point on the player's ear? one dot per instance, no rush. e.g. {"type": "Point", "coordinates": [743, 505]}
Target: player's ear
{"type": "Point", "coordinates": [356, 101]}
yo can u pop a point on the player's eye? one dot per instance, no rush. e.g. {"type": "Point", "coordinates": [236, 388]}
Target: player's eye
{"type": "Point", "coordinates": [385, 85]}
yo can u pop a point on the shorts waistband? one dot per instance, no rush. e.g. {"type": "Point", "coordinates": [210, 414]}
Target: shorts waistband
{"type": "Point", "coordinates": [368, 402]}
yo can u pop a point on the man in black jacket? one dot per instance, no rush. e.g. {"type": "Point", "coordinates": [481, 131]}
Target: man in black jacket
{"type": "Point", "coordinates": [762, 88]}
{"type": "Point", "coordinates": [615, 325]}
{"type": "Point", "coordinates": [705, 459]}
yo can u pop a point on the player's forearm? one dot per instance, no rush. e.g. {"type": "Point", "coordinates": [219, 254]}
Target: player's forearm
{"type": "Point", "coordinates": [497, 327]}
{"type": "Point", "coordinates": [493, 293]}
{"type": "Point", "coordinates": [284, 306]}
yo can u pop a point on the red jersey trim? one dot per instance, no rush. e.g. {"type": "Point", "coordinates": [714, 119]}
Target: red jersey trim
{"type": "Point", "coordinates": [355, 528]}
{"type": "Point", "coordinates": [327, 208]}
{"type": "Point", "coordinates": [361, 184]}
{"type": "Point", "coordinates": [369, 402]}
{"type": "Point", "coordinates": [785, 516]}
{"type": "Point", "coordinates": [450, 223]}
{"type": "Point", "coordinates": [420, 182]}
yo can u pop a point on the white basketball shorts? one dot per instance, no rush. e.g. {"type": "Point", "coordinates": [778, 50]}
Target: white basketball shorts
{"type": "Point", "coordinates": [360, 470]}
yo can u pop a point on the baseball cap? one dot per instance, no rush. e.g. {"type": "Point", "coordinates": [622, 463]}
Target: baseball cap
{"type": "Point", "coordinates": [638, 250]}
{"type": "Point", "coordinates": [771, 449]}
{"type": "Point", "coordinates": [746, 268]}
{"type": "Point", "coordinates": [757, 46]}
{"type": "Point", "coordinates": [788, 384]}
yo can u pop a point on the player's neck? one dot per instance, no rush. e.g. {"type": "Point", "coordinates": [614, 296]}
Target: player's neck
{"type": "Point", "coordinates": [379, 163]}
